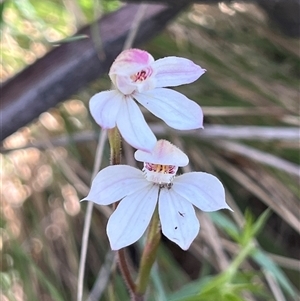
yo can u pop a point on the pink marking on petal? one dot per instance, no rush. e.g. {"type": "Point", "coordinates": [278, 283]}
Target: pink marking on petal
{"type": "Point", "coordinates": [159, 168]}
{"type": "Point", "coordinates": [134, 67]}
{"type": "Point", "coordinates": [135, 56]}
{"type": "Point", "coordinates": [131, 61]}
{"type": "Point", "coordinates": [141, 75]}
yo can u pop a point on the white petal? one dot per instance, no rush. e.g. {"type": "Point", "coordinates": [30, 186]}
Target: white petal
{"type": "Point", "coordinates": [203, 190]}
{"type": "Point", "coordinates": [131, 218]}
{"type": "Point", "coordinates": [127, 86]}
{"type": "Point", "coordinates": [115, 182]}
{"type": "Point", "coordinates": [172, 107]}
{"type": "Point", "coordinates": [178, 219]}
{"type": "Point", "coordinates": [123, 83]}
{"type": "Point", "coordinates": [175, 71]}
{"type": "Point", "coordinates": [164, 153]}
{"type": "Point", "coordinates": [104, 107]}
{"type": "Point", "coordinates": [133, 127]}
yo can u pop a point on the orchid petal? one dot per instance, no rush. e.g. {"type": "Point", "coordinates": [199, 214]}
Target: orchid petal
{"type": "Point", "coordinates": [104, 107]}
{"type": "Point", "coordinates": [132, 71]}
{"type": "Point", "coordinates": [130, 61]}
{"type": "Point", "coordinates": [164, 153]}
{"type": "Point", "coordinates": [178, 219]}
{"type": "Point", "coordinates": [115, 182]}
{"type": "Point", "coordinates": [133, 127]}
{"type": "Point", "coordinates": [131, 218]}
{"type": "Point", "coordinates": [203, 190]}
{"type": "Point", "coordinates": [172, 107]}
{"type": "Point", "coordinates": [124, 84]}
{"type": "Point", "coordinates": [174, 71]}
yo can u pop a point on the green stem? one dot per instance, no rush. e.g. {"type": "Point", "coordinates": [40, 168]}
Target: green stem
{"type": "Point", "coordinates": [115, 143]}
{"type": "Point", "coordinates": [240, 258]}
{"type": "Point", "coordinates": [148, 256]}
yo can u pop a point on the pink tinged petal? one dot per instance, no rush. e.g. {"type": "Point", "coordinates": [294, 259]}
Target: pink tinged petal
{"type": "Point", "coordinates": [128, 63]}
{"type": "Point", "coordinates": [115, 182]}
{"type": "Point", "coordinates": [178, 219]}
{"type": "Point", "coordinates": [174, 71]}
{"type": "Point", "coordinates": [133, 127]}
{"type": "Point", "coordinates": [131, 218]}
{"type": "Point", "coordinates": [203, 190]}
{"type": "Point", "coordinates": [132, 71]}
{"type": "Point", "coordinates": [164, 153]}
{"type": "Point", "coordinates": [172, 107]}
{"type": "Point", "coordinates": [104, 107]}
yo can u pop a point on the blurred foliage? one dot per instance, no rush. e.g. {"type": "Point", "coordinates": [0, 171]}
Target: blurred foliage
{"type": "Point", "coordinates": [230, 284]}
{"type": "Point", "coordinates": [252, 79]}
{"type": "Point", "coordinates": [31, 27]}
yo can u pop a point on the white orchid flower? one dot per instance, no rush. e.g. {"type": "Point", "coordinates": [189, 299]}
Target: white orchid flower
{"type": "Point", "coordinates": [138, 78]}
{"type": "Point", "coordinates": [140, 192]}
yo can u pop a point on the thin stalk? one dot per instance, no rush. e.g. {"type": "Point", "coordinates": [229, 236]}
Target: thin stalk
{"type": "Point", "coordinates": [148, 256]}
{"type": "Point", "coordinates": [88, 216]}
{"type": "Point", "coordinates": [124, 268]}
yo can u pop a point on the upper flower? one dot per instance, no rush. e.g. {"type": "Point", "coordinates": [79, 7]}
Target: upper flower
{"type": "Point", "coordinates": [139, 192]}
{"type": "Point", "coordinates": [137, 77]}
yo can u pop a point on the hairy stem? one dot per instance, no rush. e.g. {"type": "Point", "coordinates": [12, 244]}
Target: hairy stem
{"type": "Point", "coordinates": [124, 268]}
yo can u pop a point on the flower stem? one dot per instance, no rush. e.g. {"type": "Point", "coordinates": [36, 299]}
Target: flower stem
{"type": "Point", "coordinates": [149, 255]}
{"type": "Point", "coordinates": [115, 143]}
{"type": "Point", "coordinates": [123, 266]}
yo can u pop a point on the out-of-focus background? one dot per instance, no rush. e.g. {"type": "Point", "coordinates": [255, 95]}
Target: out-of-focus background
{"type": "Point", "coordinates": [250, 99]}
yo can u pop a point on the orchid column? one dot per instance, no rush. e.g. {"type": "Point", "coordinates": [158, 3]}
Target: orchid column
{"type": "Point", "coordinates": [152, 197]}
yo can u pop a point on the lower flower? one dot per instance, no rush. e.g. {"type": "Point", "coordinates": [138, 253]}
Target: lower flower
{"type": "Point", "coordinates": [141, 191]}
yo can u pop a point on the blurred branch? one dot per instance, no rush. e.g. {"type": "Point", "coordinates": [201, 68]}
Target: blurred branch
{"type": "Point", "coordinates": [275, 111]}
{"type": "Point", "coordinates": [264, 133]}
{"type": "Point", "coordinates": [243, 111]}
{"type": "Point", "coordinates": [211, 132]}
{"type": "Point", "coordinates": [174, 2]}
{"type": "Point", "coordinates": [260, 156]}
{"type": "Point", "coordinates": [69, 67]}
